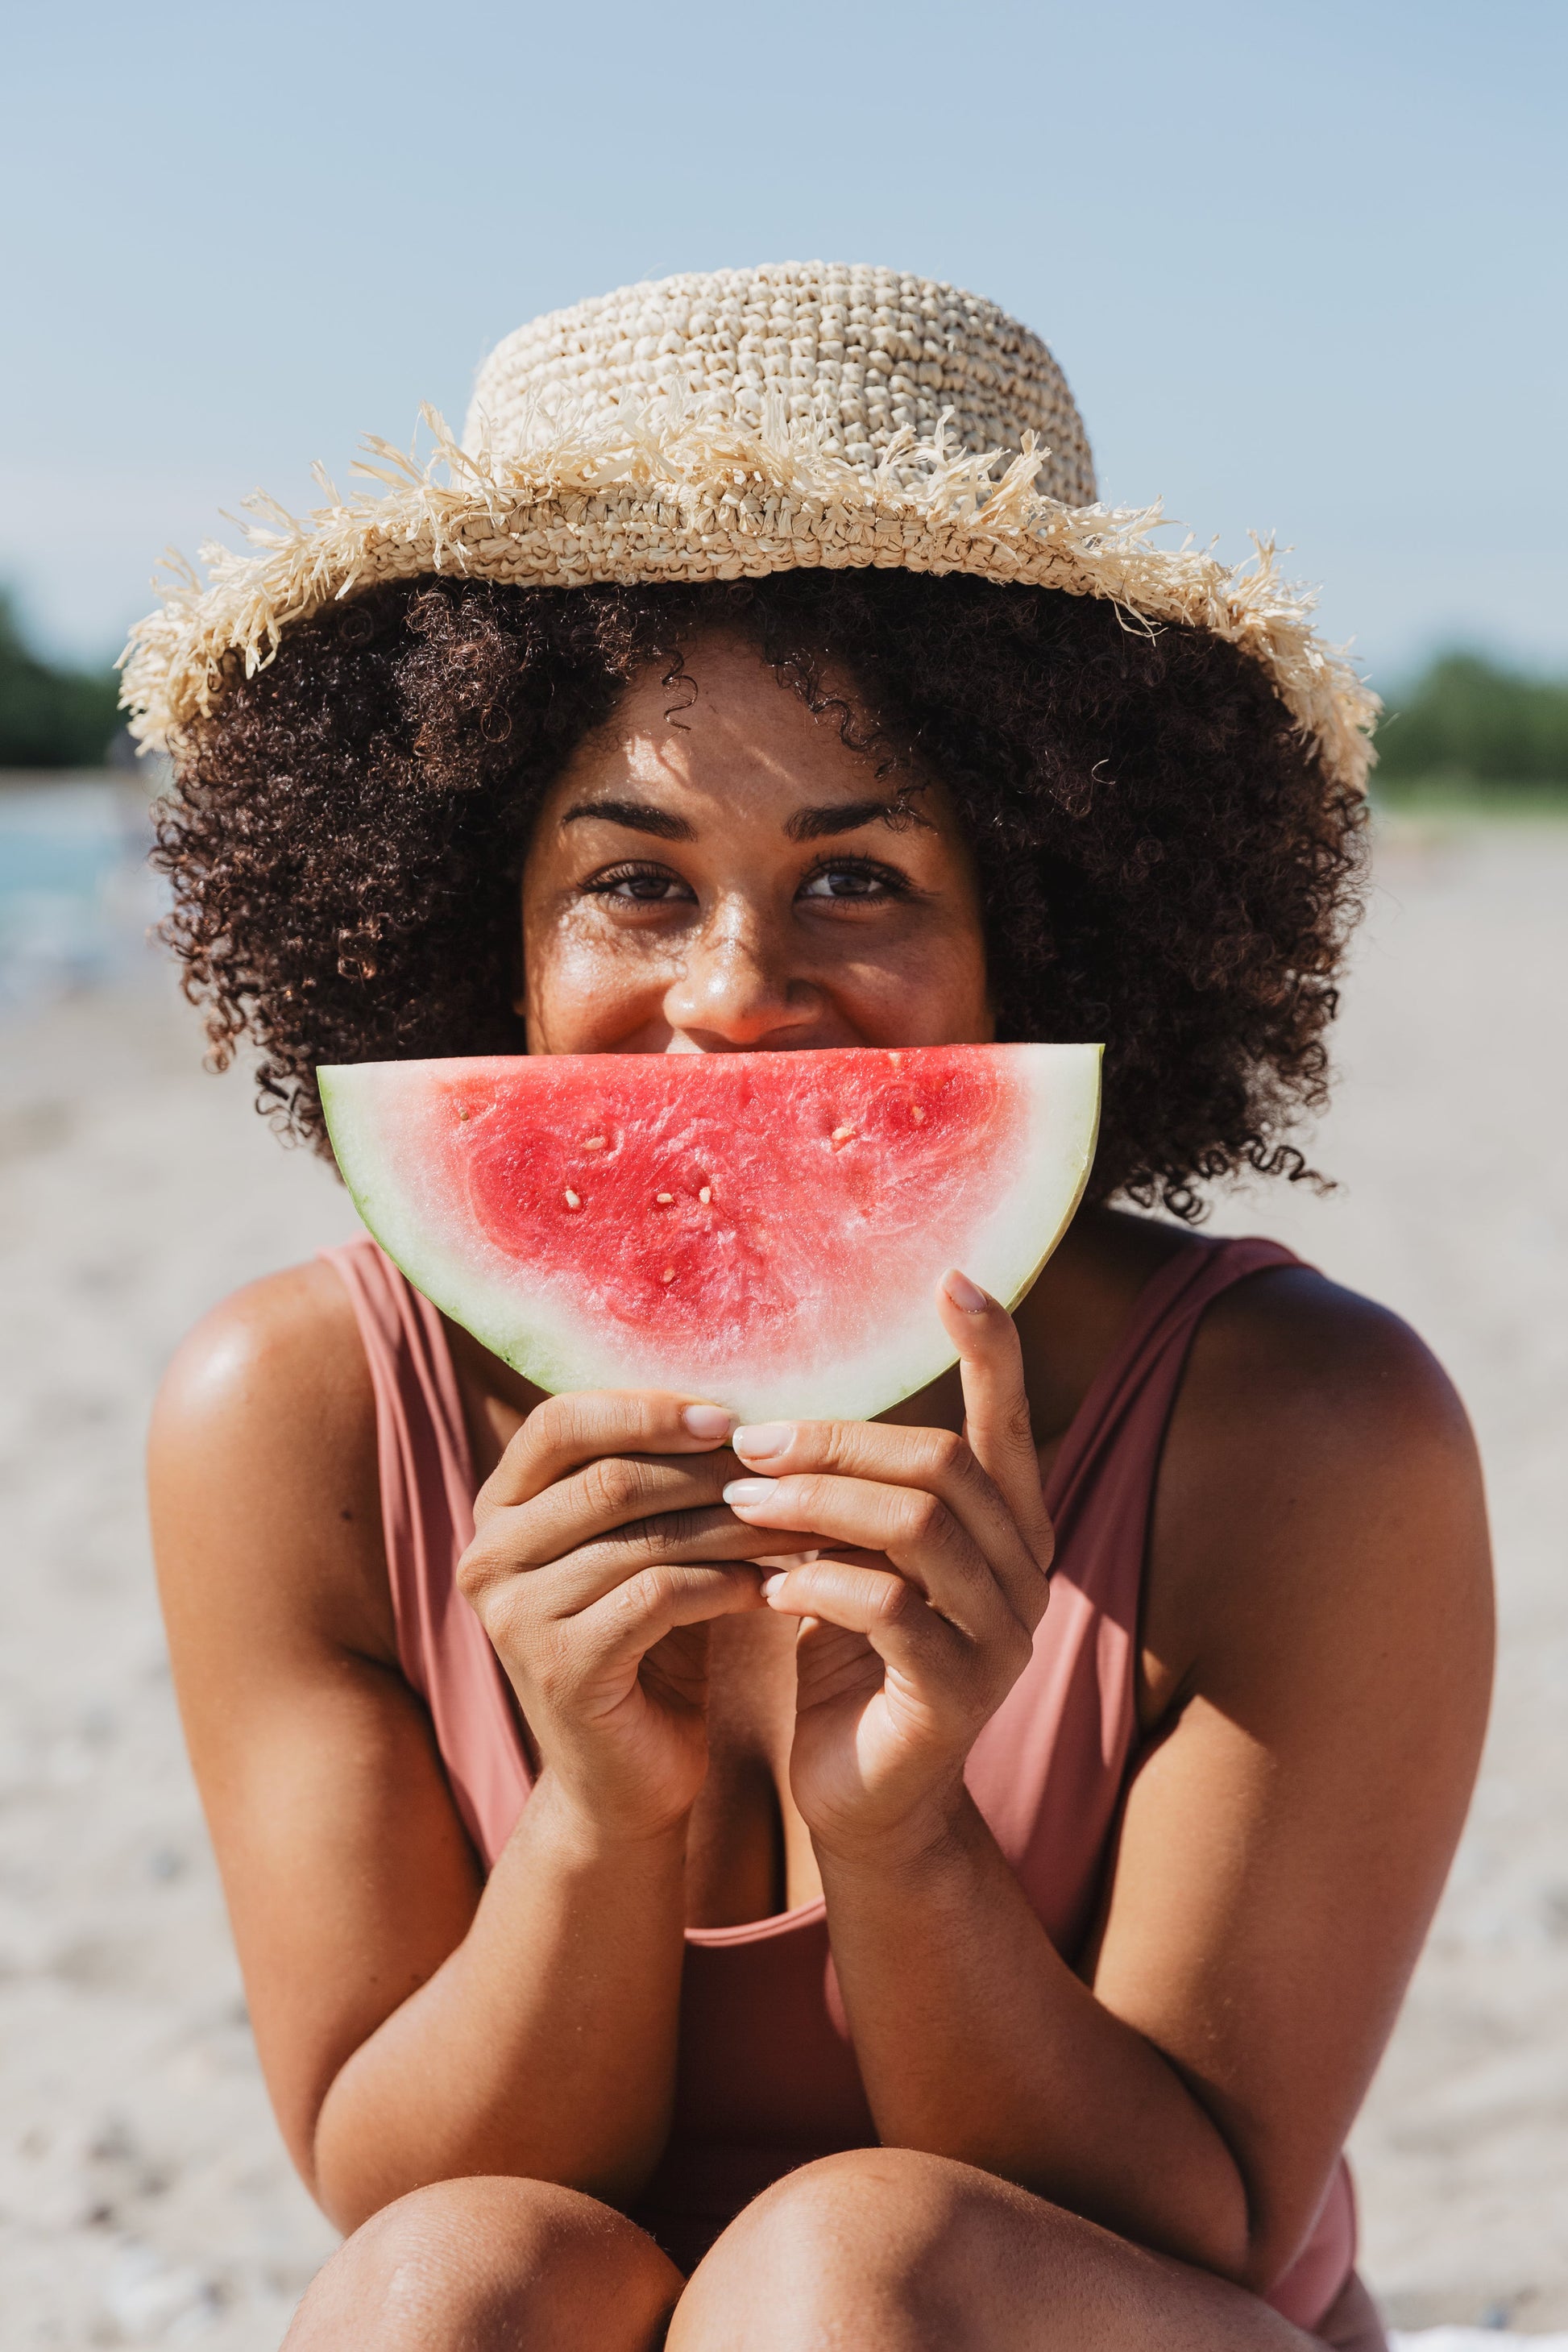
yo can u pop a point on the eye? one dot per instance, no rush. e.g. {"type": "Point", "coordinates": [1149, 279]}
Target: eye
{"type": "Point", "coordinates": [853, 878]}
{"type": "Point", "coordinates": [638, 886]}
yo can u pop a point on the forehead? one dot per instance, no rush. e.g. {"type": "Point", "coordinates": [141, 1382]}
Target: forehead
{"type": "Point", "coordinates": [725, 713]}
{"type": "Point", "coordinates": [721, 741]}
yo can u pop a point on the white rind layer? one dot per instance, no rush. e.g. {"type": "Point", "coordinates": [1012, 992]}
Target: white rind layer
{"type": "Point", "coordinates": [368, 1104]}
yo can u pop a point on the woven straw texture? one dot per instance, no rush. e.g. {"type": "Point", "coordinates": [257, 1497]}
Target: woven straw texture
{"type": "Point", "coordinates": [862, 355]}
{"type": "Point", "coordinates": [728, 426]}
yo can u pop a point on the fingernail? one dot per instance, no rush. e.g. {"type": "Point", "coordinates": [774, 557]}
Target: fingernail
{"type": "Point", "coordinates": [707, 1420]}
{"type": "Point", "coordinates": [772, 1584]}
{"type": "Point", "coordinates": [964, 1293]}
{"type": "Point", "coordinates": [741, 1493]}
{"type": "Point", "coordinates": [765, 1439]}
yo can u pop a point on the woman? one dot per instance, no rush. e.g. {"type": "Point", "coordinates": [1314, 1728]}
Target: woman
{"type": "Point", "coordinates": [689, 1888]}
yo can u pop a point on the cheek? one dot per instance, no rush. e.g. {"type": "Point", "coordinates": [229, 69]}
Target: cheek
{"type": "Point", "coordinates": [920, 980]}
{"type": "Point", "coordinates": [583, 985]}
{"type": "Point", "coordinates": [932, 991]}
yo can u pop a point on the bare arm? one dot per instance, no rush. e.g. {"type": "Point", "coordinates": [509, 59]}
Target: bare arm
{"type": "Point", "coordinates": [1319, 1629]}
{"type": "Point", "coordinates": [413, 2022]}
{"type": "Point", "coordinates": [544, 2044]}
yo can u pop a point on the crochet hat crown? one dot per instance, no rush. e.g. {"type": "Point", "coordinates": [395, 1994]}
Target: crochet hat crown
{"type": "Point", "coordinates": [865, 356]}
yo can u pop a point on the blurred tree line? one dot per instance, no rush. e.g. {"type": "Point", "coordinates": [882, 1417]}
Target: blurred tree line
{"type": "Point", "coordinates": [1466, 726]}
{"type": "Point", "coordinates": [51, 716]}
{"type": "Point", "coordinates": [1469, 723]}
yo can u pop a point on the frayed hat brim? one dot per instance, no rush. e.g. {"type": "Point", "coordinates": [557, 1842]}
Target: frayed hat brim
{"type": "Point", "coordinates": [675, 492]}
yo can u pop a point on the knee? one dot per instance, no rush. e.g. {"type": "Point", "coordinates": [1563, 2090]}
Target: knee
{"type": "Point", "coordinates": [850, 2243]}
{"type": "Point", "coordinates": [879, 2202]}
{"type": "Point", "coordinates": [486, 2264]}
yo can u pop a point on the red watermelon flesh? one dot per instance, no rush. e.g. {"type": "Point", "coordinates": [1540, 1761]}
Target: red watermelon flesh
{"type": "Point", "coordinates": [763, 1229]}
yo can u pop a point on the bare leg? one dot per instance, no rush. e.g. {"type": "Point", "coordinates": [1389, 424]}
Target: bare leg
{"type": "Point", "coordinates": [490, 2266]}
{"type": "Point", "coordinates": [886, 2250]}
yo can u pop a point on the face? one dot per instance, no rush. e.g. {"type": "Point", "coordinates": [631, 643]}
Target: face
{"type": "Point", "coordinates": [735, 879]}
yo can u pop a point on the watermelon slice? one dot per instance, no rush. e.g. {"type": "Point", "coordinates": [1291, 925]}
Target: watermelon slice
{"type": "Point", "coordinates": [761, 1229]}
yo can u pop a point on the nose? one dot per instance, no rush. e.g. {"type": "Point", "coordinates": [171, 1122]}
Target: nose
{"type": "Point", "coordinates": [735, 992]}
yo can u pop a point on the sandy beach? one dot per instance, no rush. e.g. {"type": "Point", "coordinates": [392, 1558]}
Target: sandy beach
{"type": "Point", "coordinates": [145, 2197]}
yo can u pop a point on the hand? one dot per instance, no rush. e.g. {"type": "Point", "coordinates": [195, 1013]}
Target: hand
{"type": "Point", "coordinates": [602, 1550]}
{"type": "Point", "coordinates": [919, 1614]}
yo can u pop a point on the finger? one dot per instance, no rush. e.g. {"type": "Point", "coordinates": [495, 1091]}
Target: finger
{"type": "Point", "coordinates": [566, 1431]}
{"type": "Point", "coordinates": [914, 1530]}
{"type": "Point", "coordinates": [997, 1405]}
{"type": "Point", "coordinates": [626, 1623]}
{"type": "Point", "coordinates": [561, 1586]}
{"type": "Point", "coordinates": [618, 1490]}
{"type": "Point", "coordinates": [906, 1632]}
{"type": "Point", "coordinates": [933, 1460]}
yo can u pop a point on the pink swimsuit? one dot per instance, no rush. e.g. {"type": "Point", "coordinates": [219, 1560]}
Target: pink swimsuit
{"type": "Point", "coordinates": [767, 2076]}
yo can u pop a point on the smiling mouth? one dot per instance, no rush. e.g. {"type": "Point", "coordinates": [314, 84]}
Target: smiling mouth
{"type": "Point", "coordinates": [680, 1042]}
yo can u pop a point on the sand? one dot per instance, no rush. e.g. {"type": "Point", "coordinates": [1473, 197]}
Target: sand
{"type": "Point", "coordinates": [144, 2198]}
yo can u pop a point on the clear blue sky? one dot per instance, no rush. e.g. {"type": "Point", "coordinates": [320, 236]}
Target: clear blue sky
{"type": "Point", "coordinates": [1304, 265]}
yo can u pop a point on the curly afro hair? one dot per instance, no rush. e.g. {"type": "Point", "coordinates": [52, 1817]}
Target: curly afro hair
{"type": "Point", "coordinates": [1164, 864]}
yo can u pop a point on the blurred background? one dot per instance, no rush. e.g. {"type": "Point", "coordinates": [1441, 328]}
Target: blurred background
{"type": "Point", "coordinates": [1303, 269]}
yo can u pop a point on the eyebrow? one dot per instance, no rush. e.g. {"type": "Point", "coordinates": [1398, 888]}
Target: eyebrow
{"type": "Point", "coordinates": [849, 816]}
{"type": "Point", "coordinates": [805, 824]}
{"type": "Point", "coordinates": [637, 816]}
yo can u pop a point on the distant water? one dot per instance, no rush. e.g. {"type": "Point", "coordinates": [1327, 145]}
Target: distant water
{"type": "Point", "coordinates": [76, 897]}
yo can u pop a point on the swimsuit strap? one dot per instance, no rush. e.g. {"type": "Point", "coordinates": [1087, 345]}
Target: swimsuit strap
{"type": "Point", "coordinates": [427, 1487]}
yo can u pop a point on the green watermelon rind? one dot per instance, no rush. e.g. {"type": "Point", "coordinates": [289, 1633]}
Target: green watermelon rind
{"type": "Point", "coordinates": [1006, 1255]}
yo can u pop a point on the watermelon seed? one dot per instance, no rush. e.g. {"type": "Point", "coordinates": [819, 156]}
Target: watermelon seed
{"type": "Point", "coordinates": [664, 1199]}
{"type": "Point", "coordinates": [842, 1135]}
{"type": "Point", "coordinates": [571, 1200]}
{"type": "Point", "coordinates": [917, 1114]}
{"type": "Point", "coordinates": [595, 1143]}
{"type": "Point", "coordinates": [462, 1116]}
{"type": "Point", "coordinates": [669, 1274]}
{"type": "Point", "coordinates": [705, 1194]}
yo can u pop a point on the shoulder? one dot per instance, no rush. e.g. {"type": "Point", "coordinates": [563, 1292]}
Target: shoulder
{"type": "Point", "coordinates": [262, 1458]}
{"type": "Point", "coordinates": [288, 1341]}
{"type": "Point", "coordinates": [1291, 1363]}
{"type": "Point", "coordinates": [1319, 1479]}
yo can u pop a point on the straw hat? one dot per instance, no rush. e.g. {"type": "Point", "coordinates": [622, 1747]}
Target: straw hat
{"type": "Point", "coordinates": [726, 426]}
